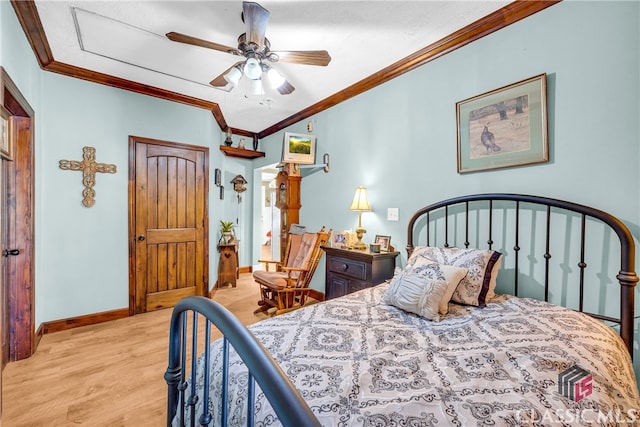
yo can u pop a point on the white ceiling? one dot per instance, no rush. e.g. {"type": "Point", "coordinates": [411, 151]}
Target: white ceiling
{"type": "Point", "coordinates": [126, 39]}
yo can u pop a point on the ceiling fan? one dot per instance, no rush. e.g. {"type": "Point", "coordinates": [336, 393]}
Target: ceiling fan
{"type": "Point", "coordinates": [256, 49]}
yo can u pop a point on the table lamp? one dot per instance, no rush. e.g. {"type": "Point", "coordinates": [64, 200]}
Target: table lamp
{"type": "Point", "coordinates": [360, 203]}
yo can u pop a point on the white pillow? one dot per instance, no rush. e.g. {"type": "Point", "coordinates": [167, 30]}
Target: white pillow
{"type": "Point", "coordinates": [412, 292]}
{"type": "Point", "coordinates": [474, 288]}
{"type": "Point", "coordinates": [452, 275]}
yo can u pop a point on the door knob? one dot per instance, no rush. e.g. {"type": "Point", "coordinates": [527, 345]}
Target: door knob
{"type": "Point", "coordinates": [141, 237]}
{"type": "Point", "coordinates": [13, 252]}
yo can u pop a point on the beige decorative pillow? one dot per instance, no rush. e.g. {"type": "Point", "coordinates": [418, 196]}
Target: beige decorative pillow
{"type": "Point", "coordinates": [452, 275]}
{"type": "Point", "coordinates": [474, 288]}
{"type": "Point", "coordinates": [416, 294]}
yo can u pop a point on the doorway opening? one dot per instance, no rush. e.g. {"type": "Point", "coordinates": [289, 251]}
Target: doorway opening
{"type": "Point", "coordinates": [269, 215]}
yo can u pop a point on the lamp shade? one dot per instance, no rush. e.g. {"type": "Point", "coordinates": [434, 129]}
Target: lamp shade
{"type": "Point", "coordinates": [233, 76]}
{"type": "Point", "coordinates": [256, 87]}
{"type": "Point", "coordinates": [252, 69]}
{"type": "Point", "coordinates": [360, 201]}
{"type": "Point", "coordinates": [275, 78]}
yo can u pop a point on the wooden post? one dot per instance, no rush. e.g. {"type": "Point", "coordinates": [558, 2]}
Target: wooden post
{"type": "Point", "coordinates": [288, 201]}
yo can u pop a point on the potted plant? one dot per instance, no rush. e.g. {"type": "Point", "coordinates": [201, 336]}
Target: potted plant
{"type": "Point", "coordinates": [226, 228]}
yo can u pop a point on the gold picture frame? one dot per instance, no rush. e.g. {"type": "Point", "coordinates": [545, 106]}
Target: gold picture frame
{"type": "Point", "coordinates": [503, 128]}
{"type": "Point", "coordinates": [6, 143]}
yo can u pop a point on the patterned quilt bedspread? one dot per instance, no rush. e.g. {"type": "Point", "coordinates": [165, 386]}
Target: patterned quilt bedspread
{"type": "Point", "coordinates": [359, 362]}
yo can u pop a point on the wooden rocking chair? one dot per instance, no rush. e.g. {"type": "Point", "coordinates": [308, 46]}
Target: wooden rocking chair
{"type": "Point", "coordinates": [287, 288]}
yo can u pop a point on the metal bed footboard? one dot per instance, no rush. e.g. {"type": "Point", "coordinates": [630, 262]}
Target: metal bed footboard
{"type": "Point", "coordinates": [289, 406]}
{"type": "Point", "coordinates": [626, 277]}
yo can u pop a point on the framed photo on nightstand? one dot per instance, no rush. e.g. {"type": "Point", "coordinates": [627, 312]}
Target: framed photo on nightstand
{"type": "Point", "coordinates": [339, 240]}
{"type": "Point", "coordinates": [384, 242]}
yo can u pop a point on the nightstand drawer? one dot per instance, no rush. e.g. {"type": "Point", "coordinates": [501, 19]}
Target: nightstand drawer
{"type": "Point", "coordinates": [348, 267]}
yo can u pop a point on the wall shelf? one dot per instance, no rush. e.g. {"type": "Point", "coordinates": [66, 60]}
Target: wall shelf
{"type": "Point", "coordinates": [307, 170]}
{"type": "Point", "coordinates": [241, 152]}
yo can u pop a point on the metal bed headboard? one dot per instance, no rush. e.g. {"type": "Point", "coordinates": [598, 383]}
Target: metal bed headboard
{"type": "Point", "coordinates": [627, 276]}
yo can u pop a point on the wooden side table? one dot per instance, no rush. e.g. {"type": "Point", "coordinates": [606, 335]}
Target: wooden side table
{"type": "Point", "coordinates": [351, 270]}
{"type": "Point", "coordinates": [228, 264]}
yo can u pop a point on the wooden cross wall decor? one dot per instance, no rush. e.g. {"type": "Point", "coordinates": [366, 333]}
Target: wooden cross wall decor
{"type": "Point", "coordinates": [89, 167]}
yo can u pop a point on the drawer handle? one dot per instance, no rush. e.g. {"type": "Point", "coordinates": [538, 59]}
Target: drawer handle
{"type": "Point", "coordinates": [345, 267]}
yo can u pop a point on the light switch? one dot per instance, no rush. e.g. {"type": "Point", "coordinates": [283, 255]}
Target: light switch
{"type": "Point", "coordinates": [392, 214]}
{"type": "Point", "coordinates": [309, 126]}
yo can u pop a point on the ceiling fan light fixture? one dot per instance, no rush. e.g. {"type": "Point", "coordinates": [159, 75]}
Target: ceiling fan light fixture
{"type": "Point", "coordinates": [252, 69]}
{"type": "Point", "coordinates": [256, 87]}
{"type": "Point", "coordinates": [255, 50]}
{"type": "Point", "coordinates": [233, 76]}
{"type": "Point", "coordinates": [275, 78]}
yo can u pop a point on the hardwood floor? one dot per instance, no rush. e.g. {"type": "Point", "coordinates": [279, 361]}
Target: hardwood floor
{"type": "Point", "coordinates": [109, 374]}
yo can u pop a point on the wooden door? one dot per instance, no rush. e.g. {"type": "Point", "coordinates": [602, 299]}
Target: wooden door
{"type": "Point", "coordinates": [168, 223]}
{"type": "Point", "coordinates": [18, 193]}
{"type": "Point", "coordinates": [17, 292]}
{"type": "Point", "coordinates": [4, 266]}
{"type": "Point", "coordinates": [4, 300]}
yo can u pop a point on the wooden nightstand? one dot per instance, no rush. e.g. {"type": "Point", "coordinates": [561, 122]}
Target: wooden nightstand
{"type": "Point", "coordinates": [351, 270]}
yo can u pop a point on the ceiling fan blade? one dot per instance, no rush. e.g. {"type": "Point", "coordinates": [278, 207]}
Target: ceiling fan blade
{"type": "Point", "coordinates": [286, 88]}
{"type": "Point", "coordinates": [256, 18]}
{"type": "Point", "coordinates": [194, 41]}
{"type": "Point", "coordinates": [220, 82]}
{"type": "Point", "coordinates": [320, 58]}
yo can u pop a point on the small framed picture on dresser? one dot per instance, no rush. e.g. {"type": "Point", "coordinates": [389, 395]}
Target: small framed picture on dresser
{"type": "Point", "coordinates": [339, 240]}
{"type": "Point", "coordinates": [384, 242]}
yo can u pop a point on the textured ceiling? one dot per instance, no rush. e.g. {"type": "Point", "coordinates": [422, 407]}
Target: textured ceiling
{"type": "Point", "coordinates": [126, 39]}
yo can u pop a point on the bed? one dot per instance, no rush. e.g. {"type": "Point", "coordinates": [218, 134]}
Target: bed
{"type": "Point", "coordinates": [459, 336]}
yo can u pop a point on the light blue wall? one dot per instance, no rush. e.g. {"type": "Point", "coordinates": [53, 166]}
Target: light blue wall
{"type": "Point", "coordinates": [16, 55]}
{"type": "Point", "coordinates": [82, 253]}
{"type": "Point", "coordinates": [399, 140]}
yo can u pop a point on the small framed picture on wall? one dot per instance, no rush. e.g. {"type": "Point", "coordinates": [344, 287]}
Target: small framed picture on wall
{"type": "Point", "coordinates": [5, 134]}
{"type": "Point", "coordinates": [503, 128]}
{"type": "Point", "coordinates": [298, 148]}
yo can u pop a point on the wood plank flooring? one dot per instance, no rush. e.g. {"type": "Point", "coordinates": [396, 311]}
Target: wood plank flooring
{"type": "Point", "coordinates": [110, 374]}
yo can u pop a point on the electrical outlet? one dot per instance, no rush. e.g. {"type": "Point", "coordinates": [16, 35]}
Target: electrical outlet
{"type": "Point", "coordinates": [392, 214]}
